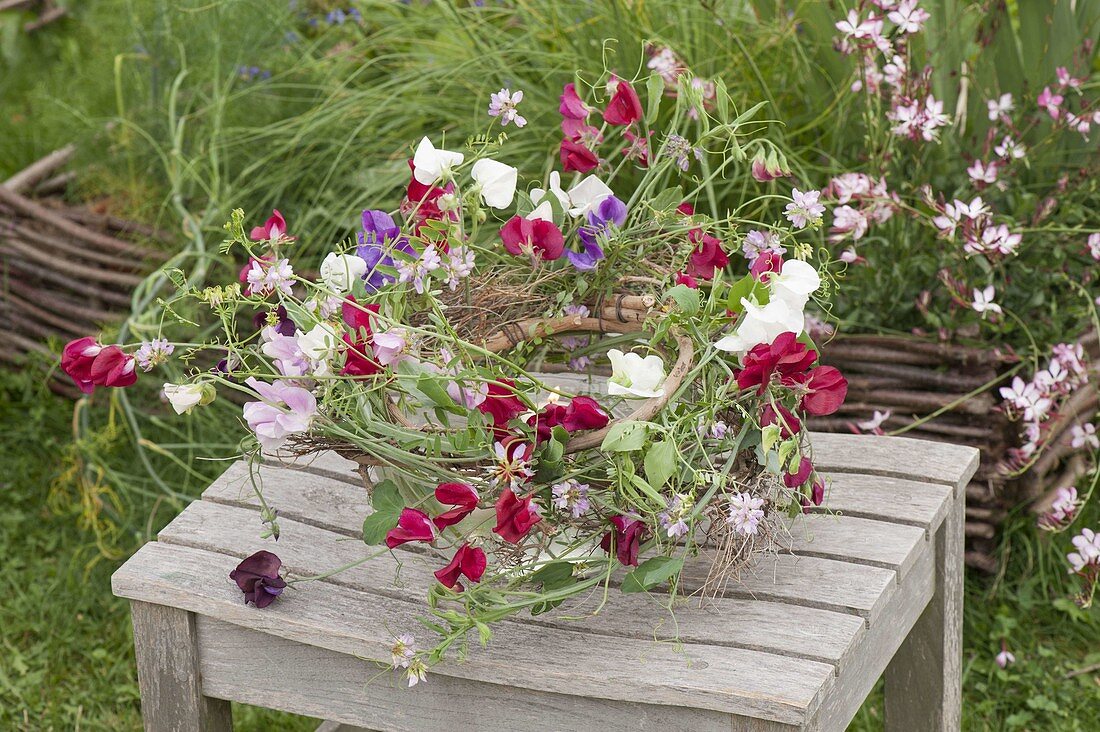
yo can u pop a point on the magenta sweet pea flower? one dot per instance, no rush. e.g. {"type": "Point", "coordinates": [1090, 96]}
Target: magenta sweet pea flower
{"type": "Point", "coordinates": [786, 356]}
{"type": "Point", "coordinates": [532, 237]}
{"type": "Point", "coordinates": [77, 359]}
{"type": "Point", "coordinates": [413, 525]}
{"type": "Point", "coordinates": [113, 367]}
{"type": "Point", "coordinates": [584, 413]}
{"type": "Point", "coordinates": [627, 535]}
{"type": "Point", "coordinates": [259, 580]}
{"type": "Point", "coordinates": [624, 108]}
{"type": "Point", "coordinates": [768, 261]}
{"type": "Point", "coordinates": [827, 390]}
{"type": "Point", "coordinates": [574, 112]}
{"type": "Point", "coordinates": [285, 410]}
{"type": "Point", "coordinates": [464, 499]}
{"type": "Point", "coordinates": [468, 561]}
{"type": "Point", "coordinates": [707, 256]}
{"type": "Point", "coordinates": [575, 156]}
{"type": "Point", "coordinates": [800, 476]}
{"type": "Point", "coordinates": [274, 229]}
{"type": "Point", "coordinates": [789, 425]}
{"type": "Point", "coordinates": [515, 516]}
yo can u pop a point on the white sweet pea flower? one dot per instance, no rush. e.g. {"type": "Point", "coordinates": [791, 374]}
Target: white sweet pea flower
{"type": "Point", "coordinates": [636, 376]}
{"type": "Point", "coordinates": [429, 164]}
{"type": "Point", "coordinates": [587, 196]}
{"type": "Point", "coordinates": [795, 283]}
{"type": "Point", "coordinates": [543, 211]}
{"type": "Point", "coordinates": [340, 271]}
{"type": "Point", "coordinates": [763, 325]}
{"type": "Point", "coordinates": [184, 397]}
{"type": "Point", "coordinates": [317, 345]}
{"type": "Point", "coordinates": [497, 181]}
{"type": "Point", "coordinates": [537, 194]}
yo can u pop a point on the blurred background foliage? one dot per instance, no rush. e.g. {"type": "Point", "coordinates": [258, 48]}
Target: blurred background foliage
{"type": "Point", "coordinates": [185, 109]}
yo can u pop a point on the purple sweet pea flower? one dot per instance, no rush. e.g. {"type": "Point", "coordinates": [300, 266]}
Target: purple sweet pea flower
{"type": "Point", "coordinates": [610, 212]}
{"type": "Point", "coordinates": [259, 580]}
{"type": "Point", "coordinates": [587, 259]}
{"type": "Point", "coordinates": [378, 240]}
{"type": "Point", "coordinates": [283, 325]}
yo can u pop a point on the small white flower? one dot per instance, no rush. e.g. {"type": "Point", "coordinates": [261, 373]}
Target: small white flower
{"type": "Point", "coordinates": [999, 107]}
{"type": "Point", "coordinates": [762, 325]}
{"type": "Point", "coordinates": [983, 301]}
{"type": "Point", "coordinates": [634, 376]}
{"type": "Point", "coordinates": [497, 182]}
{"type": "Point", "coordinates": [340, 271]}
{"type": "Point", "coordinates": [587, 196]}
{"type": "Point", "coordinates": [430, 164]}
{"type": "Point", "coordinates": [1094, 246]}
{"type": "Point", "coordinates": [317, 345]}
{"type": "Point", "coordinates": [1088, 550]}
{"type": "Point", "coordinates": [1005, 658]}
{"type": "Point", "coordinates": [875, 422]}
{"type": "Point", "coordinates": [183, 397]}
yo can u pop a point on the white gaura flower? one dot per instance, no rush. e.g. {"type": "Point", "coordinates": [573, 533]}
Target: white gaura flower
{"type": "Point", "coordinates": [317, 345]}
{"type": "Point", "coordinates": [795, 283]}
{"type": "Point", "coordinates": [184, 397]}
{"type": "Point", "coordinates": [497, 181]}
{"type": "Point", "coordinates": [537, 194]}
{"type": "Point", "coordinates": [763, 324]}
{"type": "Point", "coordinates": [587, 196]}
{"type": "Point", "coordinates": [636, 376]}
{"type": "Point", "coordinates": [429, 164]}
{"type": "Point", "coordinates": [340, 271]}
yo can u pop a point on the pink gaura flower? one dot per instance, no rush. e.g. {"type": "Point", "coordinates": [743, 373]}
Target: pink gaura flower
{"type": "Point", "coordinates": [285, 410]}
{"type": "Point", "coordinates": [1065, 80]}
{"type": "Point", "coordinates": [1051, 102]}
{"type": "Point", "coordinates": [515, 516]}
{"type": "Point", "coordinates": [626, 534]}
{"type": "Point", "coordinates": [624, 108]}
{"type": "Point", "coordinates": [464, 499]}
{"type": "Point", "coordinates": [535, 238]}
{"type": "Point", "coordinates": [273, 230]}
{"type": "Point", "coordinates": [1000, 107]}
{"type": "Point", "coordinates": [909, 17]}
{"type": "Point", "coordinates": [468, 561]}
{"type": "Point", "coordinates": [412, 525]}
{"type": "Point", "coordinates": [983, 173]}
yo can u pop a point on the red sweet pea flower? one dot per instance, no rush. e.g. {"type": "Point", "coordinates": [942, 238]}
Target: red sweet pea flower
{"type": "Point", "coordinates": [274, 229]}
{"type": "Point", "coordinates": [523, 236]}
{"type": "Point", "coordinates": [628, 536]}
{"type": "Point", "coordinates": [112, 367]}
{"type": "Point", "coordinates": [684, 278]}
{"type": "Point", "coordinates": [707, 256]}
{"type": "Point", "coordinates": [786, 356]}
{"type": "Point", "coordinates": [624, 108]}
{"type": "Point", "coordinates": [413, 525]}
{"type": "Point", "coordinates": [766, 262]}
{"type": "Point", "coordinates": [515, 516]}
{"type": "Point", "coordinates": [800, 476]}
{"type": "Point", "coordinates": [816, 497]}
{"type": "Point", "coordinates": [828, 387]}
{"type": "Point", "coordinates": [421, 204]}
{"type": "Point", "coordinates": [575, 156]}
{"type": "Point", "coordinates": [469, 561]}
{"type": "Point", "coordinates": [584, 413]}
{"type": "Point", "coordinates": [77, 359]}
{"type": "Point", "coordinates": [788, 427]}
{"type": "Point", "coordinates": [546, 420]}
{"type": "Point", "coordinates": [502, 404]}
{"type": "Point", "coordinates": [461, 496]}
{"type": "Point", "coordinates": [360, 339]}
{"type": "Point", "coordinates": [686, 209]}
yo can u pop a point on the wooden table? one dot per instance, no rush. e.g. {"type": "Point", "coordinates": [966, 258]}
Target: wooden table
{"type": "Point", "coordinates": [797, 644]}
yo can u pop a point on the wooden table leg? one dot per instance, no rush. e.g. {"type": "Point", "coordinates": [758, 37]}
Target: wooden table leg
{"type": "Point", "coordinates": [168, 673]}
{"type": "Point", "coordinates": [924, 680]}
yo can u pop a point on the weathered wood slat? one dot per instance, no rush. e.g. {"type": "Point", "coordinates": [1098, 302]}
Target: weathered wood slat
{"type": "Point", "coordinates": [859, 540]}
{"type": "Point", "coordinates": [887, 499]}
{"type": "Point", "coordinates": [895, 457]}
{"type": "Point", "coordinates": [792, 630]}
{"type": "Point", "coordinates": [353, 622]}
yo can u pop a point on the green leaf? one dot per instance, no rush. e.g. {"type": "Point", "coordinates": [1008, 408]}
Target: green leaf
{"type": "Point", "coordinates": [387, 504]}
{"type": "Point", "coordinates": [430, 387]}
{"type": "Point", "coordinates": [721, 97]}
{"type": "Point", "coordinates": [655, 89]}
{"type": "Point", "coordinates": [668, 199]}
{"type": "Point", "coordinates": [747, 287]}
{"type": "Point", "coordinates": [651, 573]}
{"type": "Point", "coordinates": [625, 436]}
{"type": "Point", "coordinates": [661, 462]}
{"type": "Point", "coordinates": [686, 297]}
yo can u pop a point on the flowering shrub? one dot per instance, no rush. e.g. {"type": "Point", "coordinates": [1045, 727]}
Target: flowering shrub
{"type": "Point", "coordinates": [424, 350]}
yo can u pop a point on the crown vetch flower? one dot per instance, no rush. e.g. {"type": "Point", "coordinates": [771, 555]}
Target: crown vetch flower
{"type": "Point", "coordinates": [532, 237]}
{"type": "Point", "coordinates": [626, 534]}
{"type": "Point", "coordinates": [464, 499]}
{"type": "Point", "coordinates": [503, 105]}
{"type": "Point", "coordinates": [707, 256]}
{"type": "Point", "coordinates": [360, 360]}
{"type": "Point", "coordinates": [789, 425]}
{"type": "Point", "coordinates": [77, 359]}
{"type": "Point", "coordinates": [469, 561]}
{"type": "Point", "coordinates": [412, 525]}
{"type": "Point", "coordinates": [515, 516]}
{"type": "Point", "coordinates": [576, 157]}
{"type": "Point", "coordinates": [274, 229]}
{"type": "Point", "coordinates": [624, 108]}
{"type": "Point", "coordinates": [258, 578]}
{"type": "Point", "coordinates": [786, 356]}
{"type": "Point", "coordinates": [827, 389]}
{"type": "Point", "coordinates": [113, 367]}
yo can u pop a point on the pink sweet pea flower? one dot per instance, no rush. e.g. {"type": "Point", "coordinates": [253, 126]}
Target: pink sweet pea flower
{"type": "Point", "coordinates": [800, 476]}
{"type": "Point", "coordinates": [113, 367]}
{"type": "Point", "coordinates": [274, 229]}
{"type": "Point", "coordinates": [359, 339]}
{"type": "Point", "coordinates": [624, 108]}
{"type": "Point", "coordinates": [574, 112]}
{"type": "Point", "coordinates": [536, 238]}
{"type": "Point", "coordinates": [707, 256]}
{"type": "Point", "coordinates": [515, 516]}
{"type": "Point", "coordinates": [576, 157]}
{"type": "Point", "coordinates": [786, 356]}
{"type": "Point", "coordinates": [77, 359]}
{"type": "Point", "coordinates": [413, 525]}
{"type": "Point", "coordinates": [464, 499]}
{"type": "Point", "coordinates": [766, 262]}
{"type": "Point", "coordinates": [683, 278]}
{"type": "Point", "coordinates": [389, 347]}
{"type": "Point", "coordinates": [285, 410]}
{"type": "Point", "coordinates": [469, 561]}
{"type": "Point", "coordinates": [789, 425]}
{"type": "Point", "coordinates": [584, 413]}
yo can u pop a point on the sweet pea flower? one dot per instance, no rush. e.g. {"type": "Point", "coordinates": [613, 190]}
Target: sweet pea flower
{"type": "Point", "coordinates": [412, 525]}
{"type": "Point", "coordinates": [767, 263]}
{"type": "Point", "coordinates": [609, 212]}
{"type": "Point", "coordinates": [113, 367]}
{"type": "Point", "coordinates": [287, 355]}
{"type": "Point", "coordinates": [317, 345]}
{"type": "Point", "coordinates": [502, 405]}
{"type": "Point", "coordinates": [258, 578]}
{"type": "Point", "coordinates": [285, 410]}
{"type": "Point", "coordinates": [430, 164]}
{"type": "Point", "coordinates": [77, 359]}
{"type": "Point", "coordinates": [536, 238]}
{"type": "Point", "coordinates": [185, 397]}
{"type": "Point", "coordinates": [624, 108]}
{"type": "Point", "coordinates": [763, 324]}
{"type": "Point", "coordinates": [515, 516]}
{"type": "Point", "coordinates": [786, 357]}
{"type": "Point", "coordinates": [503, 105]}
{"type": "Point", "coordinates": [707, 257]}
{"type": "Point", "coordinates": [767, 166]}
{"type": "Point", "coordinates": [634, 376]}
{"type": "Point", "coordinates": [800, 475]}
{"type": "Point", "coordinates": [389, 347]}
{"type": "Point", "coordinates": [340, 271]}
{"type": "Point", "coordinates": [795, 283]}
{"type": "Point", "coordinates": [538, 194]}
{"type": "Point", "coordinates": [359, 339]}
{"type": "Point", "coordinates": [380, 238]}
{"type": "Point", "coordinates": [574, 112]}
{"type": "Point", "coordinates": [464, 499]}
{"type": "Point", "coordinates": [468, 561]}
{"type": "Point", "coordinates": [273, 230]}
{"type": "Point", "coordinates": [626, 535]}
{"type": "Point", "coordinates": [789, 425]}
{"type": "Point", "coordinates": [575, 156]}
{"type": "Point", "coordinates": [497, 182]}
{"type": "Point", "coordinates": [826, 389]}
{"type": "Point", "coordinates": [587, 196]}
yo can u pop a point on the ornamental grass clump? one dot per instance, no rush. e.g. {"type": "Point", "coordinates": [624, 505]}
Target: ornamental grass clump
{"type": "Point", "coordinates": [550, 386]}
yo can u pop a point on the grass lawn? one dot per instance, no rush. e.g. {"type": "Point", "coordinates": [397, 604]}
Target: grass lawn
{"type": "Point", "coordinates": [66, 661]}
